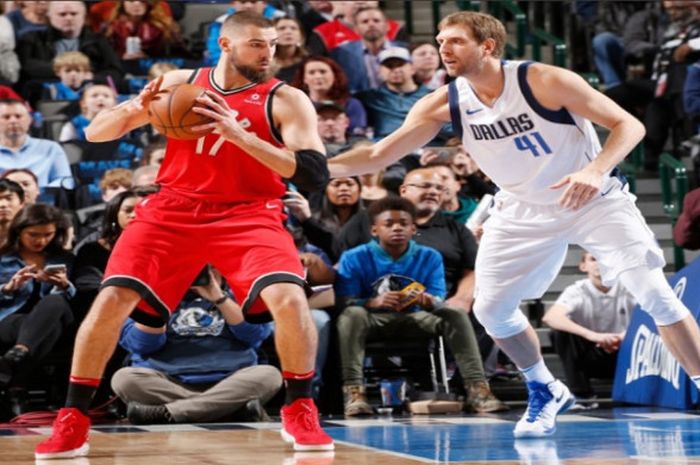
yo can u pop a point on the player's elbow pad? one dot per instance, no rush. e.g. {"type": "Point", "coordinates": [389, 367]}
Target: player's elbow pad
{"type": "Point", "coordinates": [311, 172]}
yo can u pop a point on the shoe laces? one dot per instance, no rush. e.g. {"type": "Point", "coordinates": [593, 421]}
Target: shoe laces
{"type": "Point", "coordinates": [537, 399]}
{"type": "Point", "coordinates": [64, 426]}
{"type": "Point", "coordinates": [307, 416]}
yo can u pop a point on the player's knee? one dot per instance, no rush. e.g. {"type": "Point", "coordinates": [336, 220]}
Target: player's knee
{"type": "Point", "coordinates": [500, 319]}
{"type": "Point", "coordinates": [663, 305]}
{"type": "Point", "coordinates": [654, 294]}
{"type": "Point", "coordinates": [287, 302]}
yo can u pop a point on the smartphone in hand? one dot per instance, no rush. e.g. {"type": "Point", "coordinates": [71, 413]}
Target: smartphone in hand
{"type": "Point", "coordinates": [55, 268]}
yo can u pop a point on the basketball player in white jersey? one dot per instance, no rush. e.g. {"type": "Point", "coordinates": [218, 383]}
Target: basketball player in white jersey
{"type": "Point", "coordinates": [528, 126]}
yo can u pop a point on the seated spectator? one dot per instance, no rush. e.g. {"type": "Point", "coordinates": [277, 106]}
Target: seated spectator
{"type": "Point", "coordinates": [686, 232]}
{"type": "Point", "coordinates": [322, 79]}
{"type": "Point", "coordinates": [112, 183]}
{"type": "Point", "coordinates": [360, 58]}
{"type": "Point", "coordinates": [290, 51]}
{"type": "Point", "coordinates": [213, 52]}
{"type": "Point", "coordinates": [340, 203]}
{"type": "Point", "coordinates": [145, 176]}
{"type": "Point", "coordinates": [454, 204]}
{"type": "Point", "coordinates": [426, 63]}
{"type": "Point", "coordinates": [27, 180]}
{"type": "Point", "coordinates": [30, 16]}
{"type": "Point", "coordinates": [74, 71]}
{"type": "Point", "coordinates": [34, 268]}
{"type": "Point", "coordinates": [9, 63]}
{"type": "Point", "coordinates": [341, 27]}
{"type": "Point", "coordinates": [333, 126]}
{"type": "Point", "coordinates": [100, 13]}
{"type": "Point", "coordinates": [314, 13]}
{"type": "Point", "coordinates": [388, 105]}
{"type": "Point", "coordinates": [94, 250]}
{"type": "Point", "coordinates": [371, 285]}
{"type": "Point", "coordinates": [67, 33]}
{"type": "Point", "coordinates": [157, 33]}
{"type": "Point", "coordinates": [590, 321]}
{"type": "Point", "coordinates": [473, 181]}
{"type": "Point", "coordinates": [201, 366]}
{"type": "Point", "coordinates": [11, 201]}
{"type": "Point", "coordinates": [154, 153]}
{"type": "Point", "coordinates": [93, 99]}
{"type": "Point", "coordinates": [45, 158]}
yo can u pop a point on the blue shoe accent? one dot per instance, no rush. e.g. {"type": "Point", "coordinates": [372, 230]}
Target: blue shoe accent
{"type": "Point", "coordinates": [538, 397]}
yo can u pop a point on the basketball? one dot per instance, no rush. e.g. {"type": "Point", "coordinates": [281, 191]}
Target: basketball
{"type": "Point", "coordinates": [170, 112]}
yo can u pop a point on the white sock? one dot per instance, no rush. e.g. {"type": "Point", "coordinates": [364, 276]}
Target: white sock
{"type": "Point", "coordinates": [696, 380]}
{"type": "Point", "coordinates": [538, 372]}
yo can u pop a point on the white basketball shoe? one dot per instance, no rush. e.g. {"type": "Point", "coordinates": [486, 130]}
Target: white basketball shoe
{"type": "Point", "coordinates": [544, 403]}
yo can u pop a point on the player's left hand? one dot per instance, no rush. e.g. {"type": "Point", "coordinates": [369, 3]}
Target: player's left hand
{"type": "Point", "coordinates": [224, 118]}
{"type": "Point", "coordinates": [582, 186]}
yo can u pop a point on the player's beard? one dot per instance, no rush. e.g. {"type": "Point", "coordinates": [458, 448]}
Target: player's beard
{"type": "Point", "coordinates": [248, 72]}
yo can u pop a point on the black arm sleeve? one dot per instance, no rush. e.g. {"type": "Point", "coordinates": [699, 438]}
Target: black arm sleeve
{"type": "Point", "coordinates": [311, 172]}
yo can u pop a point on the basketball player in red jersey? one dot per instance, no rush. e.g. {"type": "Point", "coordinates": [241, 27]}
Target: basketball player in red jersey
{"type": "Point", "coordinates": [219, 203]}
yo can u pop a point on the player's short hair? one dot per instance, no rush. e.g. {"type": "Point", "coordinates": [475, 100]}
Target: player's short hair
{"type": "Point", "coordinates": [75, 60]}
{"type": "Point", "coordinates": [391, 202]}
{"type": "Point", "coordinates": [245, 18]}
{"type": "Point", "coordinates": [482, 27]}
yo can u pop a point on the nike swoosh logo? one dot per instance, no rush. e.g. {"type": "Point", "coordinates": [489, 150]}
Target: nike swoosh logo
{"type": "Point", "coordinates": [558, 399]}
{"type": "Point", "coordinates": [471, 112]}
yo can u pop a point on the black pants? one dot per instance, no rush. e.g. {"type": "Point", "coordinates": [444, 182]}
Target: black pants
{"type": "Point", "coordinates": [582, 361]}
{"type": "Point", "coordinates": [40, 328]}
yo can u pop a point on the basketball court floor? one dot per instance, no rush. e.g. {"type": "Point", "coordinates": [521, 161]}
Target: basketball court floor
{"type": "Point", "coordinates": [631, 435]}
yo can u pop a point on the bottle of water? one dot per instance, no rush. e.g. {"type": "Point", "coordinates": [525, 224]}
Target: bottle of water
{"type": "Point", "coordinates": [133, 45]}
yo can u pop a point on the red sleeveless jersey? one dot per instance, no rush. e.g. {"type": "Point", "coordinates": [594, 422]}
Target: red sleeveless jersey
{"type": "Point", "coordinates": [216, 170]}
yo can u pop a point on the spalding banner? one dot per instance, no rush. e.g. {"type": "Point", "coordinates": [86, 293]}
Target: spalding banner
{"type": "Point", "coordinates": [646, 371]}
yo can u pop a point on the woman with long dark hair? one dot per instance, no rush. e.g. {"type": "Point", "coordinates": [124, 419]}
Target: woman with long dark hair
{"type": "Point", "coordinates": [340, 202]}
{"type": "Point", "coordinates": [92, 256]}
{"type": "Point", "coordinates": [34, 286]}
{"type": "Point", "coordinates": [323, 79]}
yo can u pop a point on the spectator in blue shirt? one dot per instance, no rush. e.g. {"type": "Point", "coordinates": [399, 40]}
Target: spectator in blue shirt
{"type": "Point", "coordinates": [201, 367]}
{"type": "Point", "coordinates": [45, 158]}
{"type": "Point", "coordinates": [388, 105]}
{"type": "Point", "coordinates": [392, 286]}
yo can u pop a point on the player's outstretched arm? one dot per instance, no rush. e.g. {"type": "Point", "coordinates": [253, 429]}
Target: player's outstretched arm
{"type": "Point", "coordinates": [421, 125]}
{"type": "Point", "coordinates": [114, 123]}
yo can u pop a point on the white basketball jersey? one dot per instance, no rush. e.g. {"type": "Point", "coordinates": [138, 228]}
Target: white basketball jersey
{"type": "Point", "coordinates": [522, 146]}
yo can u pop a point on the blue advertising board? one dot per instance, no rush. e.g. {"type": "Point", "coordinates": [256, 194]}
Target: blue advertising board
{"type": "Point", "coordinates": [646, 371]}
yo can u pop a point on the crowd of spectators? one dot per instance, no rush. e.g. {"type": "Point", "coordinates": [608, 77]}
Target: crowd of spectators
{"type": "Point", "coordinates": [394, 244]}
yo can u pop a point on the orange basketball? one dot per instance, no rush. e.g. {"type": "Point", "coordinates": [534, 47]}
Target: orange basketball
{"type": "Point", "coordinates": [170, 112]}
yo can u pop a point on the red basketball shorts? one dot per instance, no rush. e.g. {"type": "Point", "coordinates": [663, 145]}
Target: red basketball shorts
{"type": "Point", "coordinates": [173, 237]}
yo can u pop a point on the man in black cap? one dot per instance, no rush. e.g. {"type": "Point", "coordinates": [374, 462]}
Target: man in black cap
{"type": "Point", "coordinates": [333, 123]}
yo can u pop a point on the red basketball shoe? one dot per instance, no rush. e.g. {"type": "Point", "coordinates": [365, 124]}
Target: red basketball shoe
{"type": "Point", "coordinates": [300, 426]}
{"type": "Point", "coordinates": [69, 437]}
